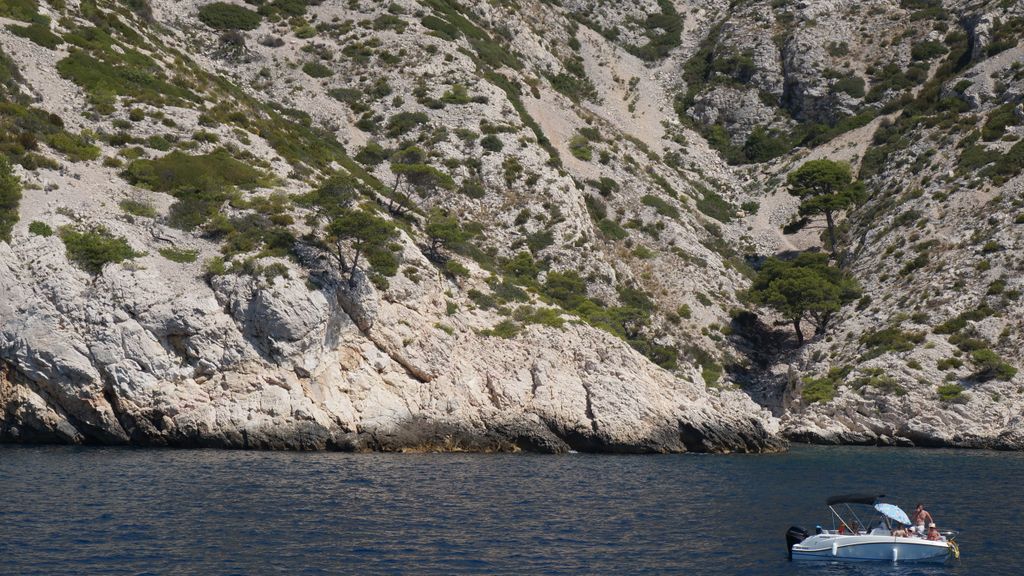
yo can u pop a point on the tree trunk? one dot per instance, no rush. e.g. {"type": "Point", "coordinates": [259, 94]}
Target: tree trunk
{"type": "Point", "coordinates": [821, 323]}
{"type": "Point", "coordinates": [340, 256]}
{"type": "Point", "coordinates": [831, 232]}
{"type": "Point", "coordinates": [799, 333]}
{"type": "Point", "coordinates": [352, 270]}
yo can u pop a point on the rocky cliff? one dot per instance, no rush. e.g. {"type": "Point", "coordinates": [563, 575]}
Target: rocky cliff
{"type": "Point", "coordinates": [569, 202]}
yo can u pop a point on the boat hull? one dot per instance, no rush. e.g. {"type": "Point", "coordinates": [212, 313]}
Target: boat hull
{"type": "Point", "coordinates": [870, 548]}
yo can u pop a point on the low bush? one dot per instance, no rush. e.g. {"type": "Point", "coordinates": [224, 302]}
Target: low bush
{"type": "Point", "coordinates": [960, 321]}
{"type": "Point", "coordinates": [579, 146]}
{"type": "Point", "coordinates": [404, 122]}
{"type": "Point", "coordinates": [317, 70]}
{"type": "Point", "coordinates": [890, 340]}
{"type": "Point", "coordinates": [713, 205]}
{"type": "Point", "coordinates": [503, 329]}
{"type": "Point", "coordinates": [224, 16]}
{"type": "Point", "coordinates": [94, 248]}
{"type": "Point", "coordinates": [951, 394]}
{"type": "Point", "coordinates": [77, 148]}
{"type": "Point", "coordinates": [852, 85]}
{"type": "Point", "coordinates": [39, 34]}
{"type": "Point", "coordinates": [991, 366]}
{"type": "Point", "coordinates": [660, 206]}
{"type": "Point", "coordinates": [138, 208]}
{"type": "Point", "coordinates": [10, 198]}
{"type": "Point", "coordinates": [927, 50]}
{"type": "Point", "coordinates": [492, 143]}
{"type": "Point", "coordinates": [24, 10]}
{"type": "Point", "coordinates": [179, 255]}
{"type": "Point", "coordinates": [206, 172]}
{"type": "Point", "coordinates": [818, 390]}
{"type": "Point", "coordinates": [40, 229]}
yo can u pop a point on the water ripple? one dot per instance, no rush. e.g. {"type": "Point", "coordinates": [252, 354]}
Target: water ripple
{"type": "Point", "coordinates": [129, 511]}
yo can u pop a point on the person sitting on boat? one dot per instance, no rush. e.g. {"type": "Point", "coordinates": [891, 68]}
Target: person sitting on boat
{"type": "Point", "coordinates": [921, 518]}
{"type": "Point", "coordinates": [933, 532]}
{"type": "Point", "coordinates": [901, 532]}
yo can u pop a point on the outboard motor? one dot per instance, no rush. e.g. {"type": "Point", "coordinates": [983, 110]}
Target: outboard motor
{"type": "Point", "coordinates": [794, 535]}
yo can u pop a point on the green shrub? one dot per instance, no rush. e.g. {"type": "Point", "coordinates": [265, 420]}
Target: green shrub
{"type": "Point", "coordinates": [39, 34]}
{"type": "Point", "coordinates": [951, 393]}
{"type": "Point", "coordinates": [103, 80]}
{"type": "Point", "coordinates": [179, 255]}
{"type": "Point", "coordinates": [890, 339]}
{"type": "Point", "coordinates": [958, 322]}
{"type": "Point", "coordinates": [10, 198]}
{"type": "Point", "coordinates": [503, 329]}
{"type": "Point", "coordinates": [207, 172]}
{"type": "Point", "coordinates": [852, 85]}
{"type": "Point", "coordinates": [877, 379]}
{"type": "Point", "coordinates": [456, 269]}
{"type": "Point", "coordinates": [440, 27]}
{"type": "Point", "coordinates": [473, 188]}
{"type": "Point", "coordinates": [927, 50]}
{"type": "Point", "coordinates": [713, 205]}
{"type": "Point", "coordinates": [92, 249]}
{"type": "Point", "coordinates": [611, 229]}
{"type": "Point", "coordinates": [491, 142]}
{"type": "Point", "coordinates": [663, 31]}
{"type": "Point", "coordinates": [543, 316]}
{"type": "Point", "coordinates": [138, 208]}
{"type": "Point", "coordinates": [579, 147]}
{"type": "Point", "coordinates": [991, 246]}
{"type": "Point", "coordinates": [949, 363]}
{"type": "Point", "coordinates": [998, 120]}
{"type": "Point", "coordinates": [389, 22]}
{"type": "Point", "coordinates": [316, 70]}
{"type": "Point", "coordinates": [761, 146]}
{"type": "Point", "coordinates": [40, 229]}
{"type": "Point", "coordinates": [77, 148]}
{"type": "Point", "coordinates": [990, 365]}
{"type": "Point", "coordinates": [24, 10]}
{"type": "Point", "coordinates": [660, 206]}
{"type": "Point", "coordinates": [574, 87]}
{"type": "Point", "coordinates": [372, 154]}
{"type": "Point", "coordinates": [404, 122]}
{"type": "Point", "coordinates": [605, 185]}
{"type": "Point", "coordinates": [224, 16]}
{"type": "Point", "coordinates": [818, 390]}
{"type": "Point", "coordinates": [456, 95]}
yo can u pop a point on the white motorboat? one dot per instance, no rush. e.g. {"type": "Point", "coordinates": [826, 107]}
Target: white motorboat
{"type": "Point", "coordinates": [852, 540]}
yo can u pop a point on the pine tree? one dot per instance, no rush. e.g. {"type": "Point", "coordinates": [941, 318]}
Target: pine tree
{"type": "Point", "coordinates": [805, 288]}
{"type": "Point", "coordinates": [825, 187]}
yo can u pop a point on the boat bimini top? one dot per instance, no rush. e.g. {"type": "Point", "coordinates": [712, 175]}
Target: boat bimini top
{"type": "Point", "coordinates": [845, 500]}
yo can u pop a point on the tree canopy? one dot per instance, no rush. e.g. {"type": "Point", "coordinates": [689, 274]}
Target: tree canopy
{"type": "Point", "coordinates": [355, 232]}
{"type": "Point", "coordinates": [805, 288]}
{"type": "Point", "coordinates": [825, 187]}
{"type": "Point", "coordinates": [443, 230]}
{"type": "Point", "coordinates": [409, 167]}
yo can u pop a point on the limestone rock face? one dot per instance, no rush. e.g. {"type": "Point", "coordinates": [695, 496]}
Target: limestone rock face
{"type": "Point", "coordinates": [739, 110]}
{"type": "Point", "coordinates": [129, 357]}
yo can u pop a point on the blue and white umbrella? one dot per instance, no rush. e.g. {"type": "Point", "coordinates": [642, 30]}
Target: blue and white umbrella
{"type": "Point", "coordinates": [893, 512]}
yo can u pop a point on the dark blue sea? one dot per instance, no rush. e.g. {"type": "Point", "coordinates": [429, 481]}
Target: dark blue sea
{"type": "Point", "coordinates": [66, 510]}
